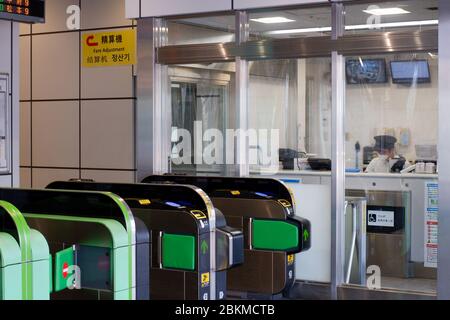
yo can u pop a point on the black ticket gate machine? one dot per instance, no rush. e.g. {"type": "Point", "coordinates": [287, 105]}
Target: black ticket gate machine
{"type": "Point", "coordinates": [94, 241]}
{"type": "Point", "coordinates": [192, 246]}
{"type": "Point", "coordinates": [264, 209]}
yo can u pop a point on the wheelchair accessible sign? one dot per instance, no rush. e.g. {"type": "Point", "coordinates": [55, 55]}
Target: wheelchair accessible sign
{"type": "Point", "coordinates": [109, 49]}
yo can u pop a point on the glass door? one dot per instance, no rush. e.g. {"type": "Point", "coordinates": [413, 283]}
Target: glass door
{"type": "Point", "coordinates": [4, 125]}
{"type": "Point", "coordinates": [199, 123]}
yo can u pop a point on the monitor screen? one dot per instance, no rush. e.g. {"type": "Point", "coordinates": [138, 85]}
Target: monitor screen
{"type": "Point", "coordinates": [28, 11]}
{"type": "Point", "coordinates": [415, 71]}
{"type": "Point", "coordinates": [366, 71]}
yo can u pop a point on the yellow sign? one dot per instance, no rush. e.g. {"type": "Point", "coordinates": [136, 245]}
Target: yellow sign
{"type": "Point", "coordinates": [284, 203]}
{"type": "Point", "coordinates": [290, 259]}
{"type": "Point", "coordinates": [145, 202]}
{"type": "Point", "coordinates": [235, 192]}
{"type": "Point", "coordinates": [205, 279]}
{"type": "Point", "coordinates": [198, 214]}
{"type": "Point", "coordinates": [106, 49]}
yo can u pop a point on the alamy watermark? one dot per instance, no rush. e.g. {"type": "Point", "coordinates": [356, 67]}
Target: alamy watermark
{"type": "Point", "coordinates": [373, 281]}
{"type": "Point", "coordinates": [215, 147]}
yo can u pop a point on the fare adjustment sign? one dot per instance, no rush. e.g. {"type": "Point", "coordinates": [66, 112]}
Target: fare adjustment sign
{"type": "Point", "coordinates": [108, 49]}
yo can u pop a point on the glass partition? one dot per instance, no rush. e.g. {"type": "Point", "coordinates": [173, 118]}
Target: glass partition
{"type": "Point", "coordinates": [391, 160]}
{"type": "Point", "coordinates": [202, 103]}
{"type": "Point", "coordinates": [4, 125]}
{"type": "Point", "coordinates": [211, 29]}
{"type": "Point", "coordinates": [290, 23]}
{"type": "Point", "coordinates": [391, 126]}
{"type": "Point", "coordinates": [391, 134]}
{"type": "Point", "coordinates": [290, 127]}
{"type": "Point", "coordinates": [293, 98]}
{"type": "Point", "coordinates": [409, 15]}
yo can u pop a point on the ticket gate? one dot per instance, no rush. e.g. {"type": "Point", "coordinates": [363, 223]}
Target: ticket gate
{"type": "Point", "coordinates": [24, 258]}
{"type": "Point", "coordinates": [264, 210]}
{"type": "Point", "coordinates": [192, 246]}
{"type": "Point", "coordinates": [93, 238]}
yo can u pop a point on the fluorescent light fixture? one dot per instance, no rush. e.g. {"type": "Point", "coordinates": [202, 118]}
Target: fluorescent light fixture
{"type": "Point", "coordinates": [270, 20]}
{"type": "Point", "coordinates": [359, 27]}
{"type": "Point", "coordinates": [306, 30]}
{"type": "Point", "coordinates": [393, 25]}
{"type": "Point", "coordinates": [386, 11]}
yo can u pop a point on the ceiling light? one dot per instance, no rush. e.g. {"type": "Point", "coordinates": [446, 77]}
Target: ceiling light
{"type": "Point", "coordinates": [386, 11]}
{"type": "Point", "coordinates": [306, 30]}
{"type": "Point", "coordinates": [393, 25]}
{"type": "Point", "coordinates": [359, 27]}
{"type": "Point", "coordinates": [269, 20]}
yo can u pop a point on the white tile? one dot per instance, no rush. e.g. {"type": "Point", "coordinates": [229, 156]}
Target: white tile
{"type": "Point", "coordinates": [25, 178]}
{"type": "Point", "coordinates": [132, 8]}
{"type": "Point", "coordinates": [108, 176]}
{"type": "Point", "coordinates": [107, 139]}
{"type": "Point", "coordinates": [55, 16]}
{"type": "Point", "coordinates": [43, 177]}
{"type": "Point", "coordinates": [155, 8]}
{"type": "Point", "coordinates": [25, 68]}
{"type": "Point", "coordinates": [103, 14]}
{"type": "Point", "coordinates": [24, 28]}
{"type": "Point", "coordinates": [55, 134]}
{"type": "Point", "coordinates": [55, 66]}
{"type": "Point", "coordinates": [25, 134]}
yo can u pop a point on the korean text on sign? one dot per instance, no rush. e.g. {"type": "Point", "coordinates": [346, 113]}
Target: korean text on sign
{"type": "Point", "coordinates": [107, 49]}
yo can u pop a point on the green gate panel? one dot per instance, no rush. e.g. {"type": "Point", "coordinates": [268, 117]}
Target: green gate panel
{"type": "Point", "coordinates": [277, 235]}
{"type": "Point", "coordinates": [122, 264]}
{"type": "Point", "coordinates": [40, 266]}
{"type": "Point", "coordinates": [10, 268]}
{"type": "Point", "coordinates": [63, 260]}
{"type": "Point", "coordinates": [178, 251]}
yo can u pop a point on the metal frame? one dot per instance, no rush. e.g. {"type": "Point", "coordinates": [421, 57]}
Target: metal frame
{"type": "Point", "coordinates": [443, 277]}
{"type": "Point", "coordinates": [338, 45]}
{"type": "Point", "coordinates": [152, 132]}
{"type": "Point", "coordinates": [394, 41]}
{"type": "Point", "coordinates": [359, 246]}
{"type": "Point", "coordinates": [4, 77]}
{"type": "Point", "coordinates": [242, 81]}
{"type": "Point", "coordinates": [337, 155]}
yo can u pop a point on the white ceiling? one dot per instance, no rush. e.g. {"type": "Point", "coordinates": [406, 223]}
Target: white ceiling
{"type": "Point", "coordinates": [321, 17]}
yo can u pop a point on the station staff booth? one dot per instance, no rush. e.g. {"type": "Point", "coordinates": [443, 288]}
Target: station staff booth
{"type": "Point", "coordinates": [324, 76]}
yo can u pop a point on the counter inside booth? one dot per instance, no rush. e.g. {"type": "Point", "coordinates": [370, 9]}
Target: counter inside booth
{"type": "Point", "coordinates": [264, 210]}
{"type": "Point", "coordinates": [404, 196]}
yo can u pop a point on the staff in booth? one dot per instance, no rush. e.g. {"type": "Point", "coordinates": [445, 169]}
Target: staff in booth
{"type": "Point", "coordinates": [386, 161]}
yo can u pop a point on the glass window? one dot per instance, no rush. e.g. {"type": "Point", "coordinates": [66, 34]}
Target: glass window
{"type": "Point", "coordinates": [292, 97]}
{"type": "Point", "coordinates": [410, 15]}
{"type": "Point", "coordinates": [202, 102]}
{"type": "Point", "coordinates": [391, 148]}
{"type": "Point", "coordinates": [4, 136]}
{"type": "Point", "coordinates": [211, 29]}
{"type": "Point", "coordinates": [290, 102]}
{"type": "Point", "coordinates": [290, 23]}
{"type": "Point", "coordinates": [391, 126]}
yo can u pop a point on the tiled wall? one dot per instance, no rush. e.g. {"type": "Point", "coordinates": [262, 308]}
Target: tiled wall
{"type": "Point", "coordinates": [75, 122]}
